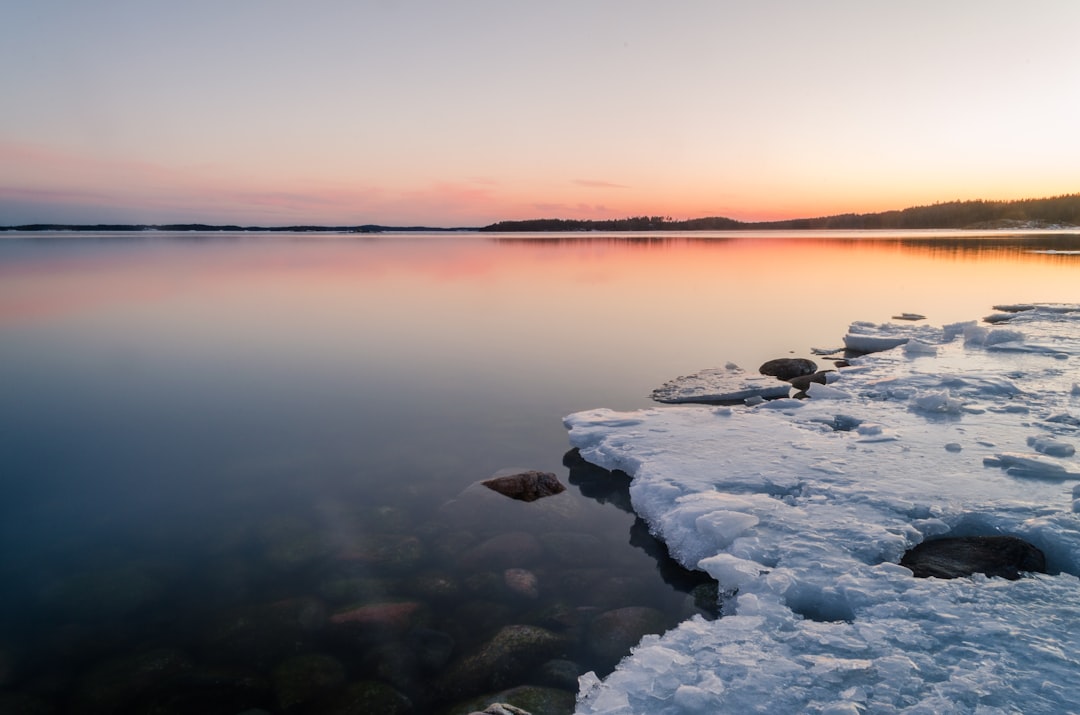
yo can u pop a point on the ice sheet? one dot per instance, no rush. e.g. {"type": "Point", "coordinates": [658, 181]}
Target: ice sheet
{"type": "Point", "coordinates": [802, 510]}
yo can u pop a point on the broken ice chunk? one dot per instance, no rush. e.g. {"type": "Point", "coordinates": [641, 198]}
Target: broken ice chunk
{"type": "Point", "coordinates": [1052, 447]}
{"type": "Point", "coordinates": [1030, 466]}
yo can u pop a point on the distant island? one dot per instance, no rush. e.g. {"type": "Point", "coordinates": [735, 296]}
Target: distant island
{"type": "Point", "coordinates": [1047, 213]}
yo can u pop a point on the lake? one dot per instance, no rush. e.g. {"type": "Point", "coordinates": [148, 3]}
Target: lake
{"type": "Point", "coordinates": [237, 471]}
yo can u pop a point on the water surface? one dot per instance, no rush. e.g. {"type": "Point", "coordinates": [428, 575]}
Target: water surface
{"type": "Point", "coordinates": [195, 426]}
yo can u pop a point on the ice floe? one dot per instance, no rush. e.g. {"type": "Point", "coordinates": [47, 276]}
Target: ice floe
{"type": "Point", "coordinates": [802, 510]}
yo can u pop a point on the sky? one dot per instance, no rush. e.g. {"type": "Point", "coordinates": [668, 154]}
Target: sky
{"type": "Point", "coordinates": [266, 112]}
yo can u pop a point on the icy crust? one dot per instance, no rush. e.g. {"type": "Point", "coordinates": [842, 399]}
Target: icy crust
{"type": "Point", "coordinates": [728, 384]}
{"type": "Point", "coordinates": [802, 509]}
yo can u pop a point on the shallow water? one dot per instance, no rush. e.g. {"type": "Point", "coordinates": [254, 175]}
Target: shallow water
{"type": "Point", "coordinates": [212, 444]}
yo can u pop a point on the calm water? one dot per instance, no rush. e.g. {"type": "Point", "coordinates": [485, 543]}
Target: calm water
{"type": "Point", "coordinates": [214, 447]}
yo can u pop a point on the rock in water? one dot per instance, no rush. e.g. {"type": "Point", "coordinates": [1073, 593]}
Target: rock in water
{"type": "Point", "coordinates": [501, 709]}
{"type": "Point", "coordinates": [522, 582]}
{"type": "Point", "coordinates": [787, 368]}
{"type": "Point", "coordinates": [526, 486]}
{"type": "Point", "coordinates": [614, 633]}
{"type": "Point", "coordinates": [955, 557]}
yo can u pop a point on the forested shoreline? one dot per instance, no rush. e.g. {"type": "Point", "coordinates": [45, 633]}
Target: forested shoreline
{"type": "Point", "coordinates": [1058, 211]}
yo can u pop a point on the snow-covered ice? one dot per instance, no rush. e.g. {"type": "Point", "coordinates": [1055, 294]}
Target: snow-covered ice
{"type": "Point", "coordinates": [802, 510]}
{"type": "Point", "coordinates": [727, 384]}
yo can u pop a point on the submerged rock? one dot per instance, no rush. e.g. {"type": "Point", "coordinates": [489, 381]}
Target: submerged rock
{"type": "Point", "coordinates": [369, 696]}
{"type": "Point", "coordinates": [503, 709]}
{"type": "Point", "coordinates": [262, 634]}
{"type": "Point", "coordinates": [787, 368]}
{"type": "Point", "coordinates": [386, 617]}
{"type": "Point", "coordinates": [526, 486]}
{"type": "Point", "coordinates": [522, 700]}
{"type": "Point", "coordinates": [508, 658]}
{"type": "Point", "coordinates": [574, 548]}
{"type": "Point", "coordinates": [304, 678]}
{"type": "Point", "coordinates": [522, 582]}
{"type": "Point", "coordinates": [956, 557]}
{"type": "Point", "coordinates": [512, 549]}
{"type": "Point", "coordinates": [117, 684]}
{"type": "Point", "coordinates": [212, 689]}
{"type": "Point", "coordinates": [614, 633]}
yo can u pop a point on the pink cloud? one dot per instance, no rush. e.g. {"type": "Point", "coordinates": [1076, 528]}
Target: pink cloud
{"type": "Point", "coordinates": [596, 184]}
{"type": "Point", "coordinates": [39, 183]}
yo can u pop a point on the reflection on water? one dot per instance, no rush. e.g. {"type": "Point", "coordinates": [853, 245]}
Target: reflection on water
{"type": "Point", "coordinates": [235, 470]}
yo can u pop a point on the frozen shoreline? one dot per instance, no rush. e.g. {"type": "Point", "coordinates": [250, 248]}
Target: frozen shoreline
{"type": "Point", "coordinates": [802, 510]}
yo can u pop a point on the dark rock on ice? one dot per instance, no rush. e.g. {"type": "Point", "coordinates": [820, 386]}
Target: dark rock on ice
{"type": "Point", "coordinates": [787, 368]}
{"type": "Point", "coordinates": [956, 557]}
{"type": "Point", "coordinates": [802, 382]}
{"type": "Point", "coordinates": [526, 486]}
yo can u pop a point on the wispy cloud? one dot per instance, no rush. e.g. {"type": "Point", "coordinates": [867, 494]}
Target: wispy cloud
{"type": "Point", "coordinates": [597, 184]}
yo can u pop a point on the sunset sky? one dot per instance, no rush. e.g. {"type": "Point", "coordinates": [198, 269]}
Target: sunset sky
{"type": "Point", "coordinates": [464, 113]}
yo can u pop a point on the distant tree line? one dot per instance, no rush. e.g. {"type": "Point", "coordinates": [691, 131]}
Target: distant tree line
{"type": "Point", "coordinates": [1055, 211]}
{"type": "Point", "coordinates": [632, 223]}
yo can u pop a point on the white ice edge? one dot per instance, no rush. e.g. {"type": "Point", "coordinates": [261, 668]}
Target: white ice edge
{"type": "Point", "coordinates": [804, 524]}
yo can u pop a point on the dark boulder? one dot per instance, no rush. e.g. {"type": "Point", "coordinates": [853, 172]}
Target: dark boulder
{"type": "Point", "coordinates": [802, 382]}
{"type": "Point", "coordinates": [955, 557]}
{"type": "Point", "coordinates": [787, 368]}
{"type": "Point", "coordinates": [526, 486]}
